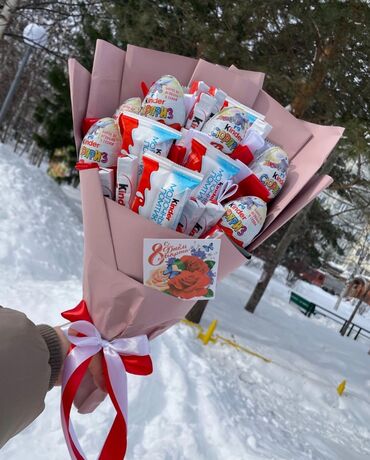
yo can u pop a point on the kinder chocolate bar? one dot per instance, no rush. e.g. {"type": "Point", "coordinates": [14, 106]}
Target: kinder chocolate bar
{"type": "Point", "coordinates": [186, 141]}
{"type": "Point", "coordinates": [212, 214]}
{"type": "Point", "coordinates": [163, 190]}
{"type": "Point", "coordinates": [201, 111]}
{"type": "Point", "coordinates": [198, 87]}
{"type": "Point", "coordinates": [127, 173]}
{"type": "Point", "coordinates": [261, 127]}
{"type": "Point", "coordinates": [251, 143]}
{"type": "Point", "coordinates": [192, 211]}
{"type": "Point", "coordinates": [107, 182]}
{"type": "Point", "coordinates": [189, 101]}
{"type": "Point", "coordinates": [101, 144]}
{"type": "Point", "coordinates": [271, 168]}
{"type": "Point", "coordinates": [228, 128]}
{"type": "Point", "coordinates": [217, 168]}
{"type": "Point", "coordinates": [143, 135]}
{"type": "Point", "coordinates": [165, 102]}
{"type": "Point", "coordinates": [195, 157]}
{"type": "Point", "coordinates": [220, 97]}
{"type": "Point", "coordinates": [249, 184]}
{"type": "Point", "coordinates": [153, 175]}
{"type": "Point", "coordinates": [243, 219]}
{"type": "Point", "coordinates": [244, 172]}
{"type": "Point", "coordinates": [132, 105]}
{"type": "Point", "coordinates": [190, 98]}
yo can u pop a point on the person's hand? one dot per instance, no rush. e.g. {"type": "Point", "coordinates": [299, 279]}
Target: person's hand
{"type": "Point", "coordinates": [95, 366]}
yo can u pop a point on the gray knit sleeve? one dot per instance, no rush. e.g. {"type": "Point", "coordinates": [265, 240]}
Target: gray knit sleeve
{"type": "Point", "coordinates": [55, 350]}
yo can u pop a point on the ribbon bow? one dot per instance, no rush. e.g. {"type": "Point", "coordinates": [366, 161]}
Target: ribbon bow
{"type": "Point", "coordinates": [120, 356]}
{"type": "Point", "coordinates": [227, 189]}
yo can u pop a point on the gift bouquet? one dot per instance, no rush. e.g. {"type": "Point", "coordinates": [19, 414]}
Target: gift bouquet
{"type": "Point", "coordinates": [184, 165]}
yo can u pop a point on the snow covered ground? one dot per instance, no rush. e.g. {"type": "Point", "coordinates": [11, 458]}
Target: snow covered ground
{"type": "Point", "coordinates": [202, 402]}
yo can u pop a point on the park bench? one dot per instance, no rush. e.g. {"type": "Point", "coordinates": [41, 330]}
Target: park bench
{"type": "Point", "coordinates": [310, 308]}
{"type": "Point", "coordinates": [307, 307]}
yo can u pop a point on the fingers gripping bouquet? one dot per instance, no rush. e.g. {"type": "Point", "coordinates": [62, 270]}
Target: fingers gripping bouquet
{"type": "Point", "coordinates": [184, 165]}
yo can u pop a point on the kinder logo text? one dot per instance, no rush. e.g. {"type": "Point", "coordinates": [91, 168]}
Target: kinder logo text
{"type": "Point", "coordinates": [122, 191]}
{"type": "Point", "coordinates": [235, 222]}
{"type": "Point", "coordinates": [163, 204]}
{"type": "Point", "coordinates": [172, 208]}
{"type": "Point", "coordinates": [93, 154]}
{"type": "Point", "coordinates": [274, 184]}
{"type": "Point", "coordinates": [225, 137]}
{"type": "Point", "coordinates": [156, 111]}
{"type": "Point", "coordinates": [152, 146]}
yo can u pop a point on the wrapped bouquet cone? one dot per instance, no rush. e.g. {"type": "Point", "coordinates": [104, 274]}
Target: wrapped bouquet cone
{"type": "Point", "coordinates": [118, 313]}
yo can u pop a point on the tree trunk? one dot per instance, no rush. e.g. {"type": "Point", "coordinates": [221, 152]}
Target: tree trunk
{"type": "Point", "coordinates": [40, 158]}
{"type": "Point", "coordinates": [353, 314]}
{"type": "Point", "coordinates": [308, 88]}
{"type": "Point", "coordinates": [277, 256]}
{"type": "Point", "coordinates": [5, 15]}
{"type": "Point", "coordinates": [196, 313]}
{"type": "Point", "coordinates": [275, 259]}
{"type": "Point", "coordinates": [343, 294]}
{"type": "Point", "coordinates": [350, 319]}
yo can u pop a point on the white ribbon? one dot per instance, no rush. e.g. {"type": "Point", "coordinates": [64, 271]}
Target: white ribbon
{"type": "Point", "coordinates": [88, 346]}
{"type": "Point", "coordinates": [227, 189]}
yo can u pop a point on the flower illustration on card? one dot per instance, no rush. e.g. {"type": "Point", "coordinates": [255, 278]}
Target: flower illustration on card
{"type": "Point", "coordinates": [187, 269]}
{"type": "Point", "coordinates": [189, 277]}
{"type": "Point", "coordinates": [158, 279]}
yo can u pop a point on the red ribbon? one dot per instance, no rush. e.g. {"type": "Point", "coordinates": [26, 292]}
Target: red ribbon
{"type": "Point", "coordinates": [116, 443]}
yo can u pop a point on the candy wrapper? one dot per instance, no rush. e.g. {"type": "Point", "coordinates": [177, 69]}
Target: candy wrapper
{"type": "Point", "coordinates": [107, 179]}
{"type": "Point", "coordinates": [127, 174]}
{"type": "Point", "coordinates": [119, 313]}
{"type": "Point", "coordinates": [102, 143]}
{"type": "Point", "coordinates": [165, 102]}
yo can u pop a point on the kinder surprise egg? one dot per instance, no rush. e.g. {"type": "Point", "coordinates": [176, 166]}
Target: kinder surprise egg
{"type": "Point", "coordinates": [132, 105]}
{"type": "Point", "coordinates": [243, 219]}
{"type": "Point", "coordinates": [227, 128]}
{"type": "Point", "coordinates": [271, 168]}
{"type": "Point", "coordinates": [165, 102]}
{"type": "Point", "coordinates": [102, 143]}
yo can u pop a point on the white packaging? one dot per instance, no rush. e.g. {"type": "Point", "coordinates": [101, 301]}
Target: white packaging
{"type": "Point", "coordinates": [107, 182]}
{"type": "Point", "coordinates": [127, 172]}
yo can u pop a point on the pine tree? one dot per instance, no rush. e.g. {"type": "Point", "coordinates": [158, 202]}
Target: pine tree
{"type": "Point", "coordinates": [54, 113]}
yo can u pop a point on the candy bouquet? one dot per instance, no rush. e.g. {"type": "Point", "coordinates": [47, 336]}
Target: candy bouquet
{"type": "Point", "coordinates": [184, 166]}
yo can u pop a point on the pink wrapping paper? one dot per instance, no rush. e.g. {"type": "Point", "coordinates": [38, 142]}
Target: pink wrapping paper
{"type": "Point", "coordinates": [147, 65]}
{"type": "Point", "coordinates": [106, 78]}
{"type": "Point", "coordinates": [113, 267]}
{"type": "Point", "coordinates": [316, 185]}
{"type": "Point", "coordinates": [118, 302]}
{"type": "Point", "coordinates": [237, 85]}
{"type": "Point", "coordinates": [79, 82]}
{"type": "Point", "coordinates": [287, 131]}
{"type": "Point", "coordinates": [304, 165]}
{"type": "Point", "coordinates": [255, 77]}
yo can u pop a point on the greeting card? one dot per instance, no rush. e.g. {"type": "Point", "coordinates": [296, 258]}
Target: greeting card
{"type": "Point", "coordinates": [183, 268]}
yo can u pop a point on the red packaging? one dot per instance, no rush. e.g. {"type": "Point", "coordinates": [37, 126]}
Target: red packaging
{"type": "Point", "coordinates": [196, 155]}
{"type": "Point", "coordinates": [252, 186]}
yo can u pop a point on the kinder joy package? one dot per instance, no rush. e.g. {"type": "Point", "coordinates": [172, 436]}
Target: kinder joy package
{"type": "Point", "coordinates": [246, 140]}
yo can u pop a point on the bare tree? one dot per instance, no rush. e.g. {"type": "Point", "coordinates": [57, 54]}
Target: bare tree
{"type": "Point", "coordinates": [6, 13]}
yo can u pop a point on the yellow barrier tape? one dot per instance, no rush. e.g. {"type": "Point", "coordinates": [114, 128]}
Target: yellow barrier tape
{"type": "Point", "coordinates": [226, 341]}
{"type": "Point", "coordinates": [232, 343]}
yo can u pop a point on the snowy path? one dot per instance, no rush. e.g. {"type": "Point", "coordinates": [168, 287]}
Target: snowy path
{"type": "Point", "coordinates": [202, 402]}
